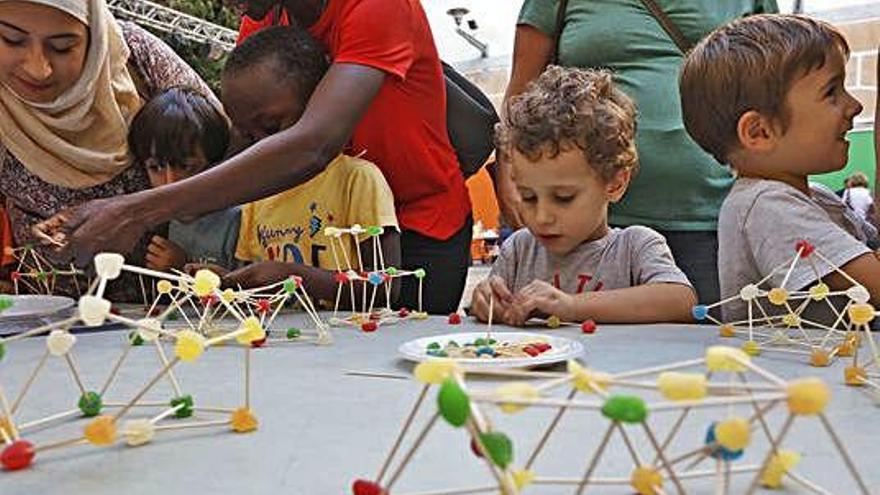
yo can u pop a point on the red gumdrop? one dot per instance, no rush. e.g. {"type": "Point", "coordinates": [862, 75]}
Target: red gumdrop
{"type": "Point", "coordinates": [209, 300]}
{"type": "Point", "coordinates": [369, 326]}
{"type": "Point", "coordinates": [542, 346]}
{"type": "Point", "coordinates": [263, 306]}
{"type": "Point", "coordinates": [114, 310]}
{"type": "Point", "coordinates": [386, 278]}
{"type": "Point", "coordinates": [258, 343]}
{"type": "Point", "coordinates": [403, 313]}
{"type": "Point", "coordinates": [15, 276]}
{"type": "Point", "coordinates": [454, 319]}
{"type": "Point", "coordinates": [156, 311]}
{"type": "Point", "coordinates": [340, 277]}
{"type": "Point", "coordinates": [531, 350]}
{"type": "Point", "coordinates": [805, 248]}
{"type": "Point", "coordinates": [364, 487]}
{"type": "Point", "coordinates": [475, 448]}
{"type": "Point", "coordinates": [18, 455]}
{"type": "Point", "coordinates": [588, 326]}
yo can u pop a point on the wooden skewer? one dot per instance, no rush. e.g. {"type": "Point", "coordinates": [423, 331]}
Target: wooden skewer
{"type": "Point", "coordinates": [199, 424]}
{"type": "Point", "coordinates": [49, 419]}
{"type": "Point", "coordinates": [412, 450]}
{"type": "Point", "coordinates": [403, 431]}
{"type": "Point", "coordinates": [774, 448]}
{"type": "Point", "coordinates": [146, 388]}
{"type": "Point", "coordinates": [595, 460]}
{"type": "Point", "coordinates": [75, 373]}
{"type": "Point", "coordinates": [843, 453]}
{"type": "Point", "coordinates": [57, 445]}
{"type": "Point", "coordinates": [29, 382]}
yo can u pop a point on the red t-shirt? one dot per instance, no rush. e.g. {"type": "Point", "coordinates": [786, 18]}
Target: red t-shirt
{"type": "Point", "coordinates": [404, 129]}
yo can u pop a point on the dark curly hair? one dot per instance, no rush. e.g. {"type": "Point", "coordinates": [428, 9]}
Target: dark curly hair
{"type": "Point", "coordinates": [569, 107]}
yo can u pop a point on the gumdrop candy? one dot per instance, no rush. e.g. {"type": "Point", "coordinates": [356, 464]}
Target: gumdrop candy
{"type": "Point", "coordinates": [251, 330]}
{"type": "Point", "coordinates": [553, 322]}
{"type": "Point", "coordinates": [804, 248]}
{"type": "Point", "coordinates": [700, 312]}
{"type": "Point", "coordinates": [722, 358]}
{"type": "Point", "coordinates": [138, 432]}
{"type": "Point", "coordinates": [59, 342]}
{"type": "Point", "coordinates": [5, 303]}
{"type": "Point", "coordinates": [435, 371]}
{"type": "Point", "coordinates": [716, 450]}
{"type": "Point", "coordinates": [6, 427]}
{"type": "Point", "coordinates": [859, 294]}
{"type": "Point", "coordinates": [164, 287]}
{"type": "Point", "coordinates": [364, 487]}
{"type": "Point", "coordinates": [135, 339]}
{"type": "Point", "coordinates": [749, 292]}
{"type": "Point", "coordinates": [109, 265]}
{"type": "Point", "coordinates": [791, 320]}
{"type": "Point", "coordinates": [228, 295]}
{"type": "Point", "coordinates": [807, 396]}
{"type": "Point", "coordinates": [419, 315]}
{"type": "Point", "coordinates": [186, 403]}
{"type": "Point", "coordinates": [454, 319]}
{"type": "Point", "coordinates": [498, 447]}
{"type": "Point", "coordinates": [820, 358]}
{"type": "Point", "coordinates": [855, 375]}
{"type": "Point", "coordinates": [93, 310]}
{"type": "Point", "coordinates": [375, 278]}
{"type": "Point", "coordinates": [587, 381]}
{"type": "Point", "coordinates": [243, 420]}
{"type": "Point", "coordinates": [861, 314]}
{"type": "Point", "coordinates": [780, 464]}
{"type": "Point", "coordinates": [733, 433]}
{"type": "Point", "coordinates": [523, 478]}
{"type": "Point", "coordinates": [646, 480]}
{"type": "Point", "coordinates": [332, 232]}
{"type": "Point", "coordinates": [190, 345]}
{"type": "Point", "coordinates": [293, 333]}
{"type": "Point", "coordinates": [375, 230]}
{"type": "Point", "coordinates": [454, 403]}
{"type": "Point", "coordinates": [340, 277]}
{"type": "Point", "coordinates": [90, 404]}
{"type": "Point", "coordinates": [819, 291]}
{"type": "Point", "coordinates": [516, 391]}
{"type": "Point", "coordinates": [625, 409]}
{"type": "Point", "coordinates": [369, 326]}
{"type": "Point", "coordinates": [777, 296]}
{"type": "Point", "coordinates": [682, 386]}
{"type": "Point", "coordinates": [848, 347]}
{"type": "Point", "coordinates": [419, 273]}
{"type": "Point", "coordinates": [751, 348]}
{"type": "Point", "coordinates": [17, 455]}
{"type": "Point", "coordinates": [588, 327]}
{"type": "Point", "coordinates": [205, 282]}
{"type": "Point", "coordinates": [101, 431]}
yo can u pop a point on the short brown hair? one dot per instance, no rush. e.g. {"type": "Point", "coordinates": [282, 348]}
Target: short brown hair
{"type": "Point", "coordinates": [568, 107]}
{"type": "Point", "coordinates": [749, 64]}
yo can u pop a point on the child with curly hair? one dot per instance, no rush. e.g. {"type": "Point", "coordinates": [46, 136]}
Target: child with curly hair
{"type": "Point", "coordinates": [570, 138]}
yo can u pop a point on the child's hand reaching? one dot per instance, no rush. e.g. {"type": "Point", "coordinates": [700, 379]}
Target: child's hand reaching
{"type": "Point", "coordinates": [258, 274]}
{"type": "Point", "coordinates": [163, 254]}
{"type": "Point", "coordinates": [492, 287]}
{"type": "Point", "coordinates": [539, 298]}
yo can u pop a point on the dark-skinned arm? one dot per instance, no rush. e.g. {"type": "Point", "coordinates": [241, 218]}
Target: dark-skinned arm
{"type": "Point", "coordinates": [320, 283]}
{"type": "Point", "coordinates": [274, 164]}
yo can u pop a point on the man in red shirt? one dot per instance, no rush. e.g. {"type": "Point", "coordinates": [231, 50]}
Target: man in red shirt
{"type": "Point", "coordinates": [384, 96]}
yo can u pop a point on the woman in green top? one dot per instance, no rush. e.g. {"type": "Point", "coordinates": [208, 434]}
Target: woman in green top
{"type": "Point", "coordinates": [679, 188]}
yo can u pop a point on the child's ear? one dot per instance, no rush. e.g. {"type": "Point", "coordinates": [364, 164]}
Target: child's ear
{"type": "Point", "coordinates": [616, 186]}
{"type": "Point", "coordinates": [755, 132]}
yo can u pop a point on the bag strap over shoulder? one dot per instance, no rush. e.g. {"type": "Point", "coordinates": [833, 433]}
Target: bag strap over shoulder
{"type": "Point", "coordinates": [666, 23]}
{"type": "Point", "coordinates": [557, 32]}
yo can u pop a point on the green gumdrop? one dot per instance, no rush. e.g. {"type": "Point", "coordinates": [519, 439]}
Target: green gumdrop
{"type": "Point", "coordinates": [479, 342]}
{"type": "Point", "coordinates": [625, 409]}
{"type": "Point", "coordinates": [135, 339]}
{"type": "Point", "coordinates": [434, 345]}
{"type": "Point", "coordinates": [374, 230]}
{"type": "Point", "coordinates": [454, 403]}
{"type": "Point", "coordinates": [90, 404]}
{"type": "Point", "coordinates": [419, 273]}
{"type": "Point", "coordinates": [293, 333]}
{"type": "Point", "coordinates": [289, 286]}
{"type": "Point", "coordinates": [5, 303]}
{"type": "Point", "coordinates": [499, 447]}
{"type": "Point", "coordinates": [173, 316]}
{"type": "Point", "coordinates": [391, 271]}
{"type": "Point", "coordinates": [2, 351]}
{"type": "Point", "coordinates": [187, 409]}
{"type": "Point", "coordinates": [42, 276]}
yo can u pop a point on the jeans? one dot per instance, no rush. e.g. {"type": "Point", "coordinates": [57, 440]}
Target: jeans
{"type": "Point", "coordinates": [446, 264]}
{"type": "Point", "coordinates": [696, 253]}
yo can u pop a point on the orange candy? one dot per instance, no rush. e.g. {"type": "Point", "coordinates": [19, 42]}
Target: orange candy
{"type": "Point", "coordinates": [101, 431]}
{"type": "Point", "coordinates": [243, 420]}
{"type": "Point", "coordinates": [854, 375]}
{"type": "Point", "coordinates": [727, 331]}
{"type": "Point", "coordinates": [820, 358]}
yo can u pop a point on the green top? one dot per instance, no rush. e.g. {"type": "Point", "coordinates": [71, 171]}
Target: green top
{"type": "Point", "coordinates": [679, 187]}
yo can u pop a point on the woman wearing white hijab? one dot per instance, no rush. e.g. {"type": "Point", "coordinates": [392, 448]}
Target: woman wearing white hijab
{"type": "Point", "coordinates": [71, 79]}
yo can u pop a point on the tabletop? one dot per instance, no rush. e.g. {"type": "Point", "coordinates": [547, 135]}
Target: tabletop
{"type": "Point", "coordinates": [321, 427]}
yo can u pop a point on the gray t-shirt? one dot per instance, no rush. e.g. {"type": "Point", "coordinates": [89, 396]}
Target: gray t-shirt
{"type": "Point", "coordinates": [760, 224]}
{"type": "Point", "coordinates": [624, 258]}
{"type": "Point", "coordinates": [210, 239]}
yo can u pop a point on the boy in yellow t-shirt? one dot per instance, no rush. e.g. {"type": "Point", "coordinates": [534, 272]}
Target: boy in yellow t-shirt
{"type": "Point", "coordinates": [267, 82]}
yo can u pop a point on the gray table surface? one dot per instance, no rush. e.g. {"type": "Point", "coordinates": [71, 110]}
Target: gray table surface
{"type": "Point", "coordinates": [320, 428]}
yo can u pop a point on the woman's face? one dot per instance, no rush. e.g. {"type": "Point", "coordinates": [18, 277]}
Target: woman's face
{"type": "Point", "coordinates": [42, 50]}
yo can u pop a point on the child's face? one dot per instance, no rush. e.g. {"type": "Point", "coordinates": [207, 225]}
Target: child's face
{"type": "Point", "coordinates": [161, 174]}
{"type": "Point", "coordinates": [821, 112]}
{"type": "Point", "coordinates": [260, 104]}
{"type": "Point", "coordinates": [564, 201]}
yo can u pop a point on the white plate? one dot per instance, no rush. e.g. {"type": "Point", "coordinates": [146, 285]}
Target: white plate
{"type": "Point", "coordinates": [35, 306]}
{"type": "Point", "coordinates": [562, 349]}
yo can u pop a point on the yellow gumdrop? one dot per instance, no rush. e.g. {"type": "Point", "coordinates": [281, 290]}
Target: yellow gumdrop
{"type": "Point", "coordinates": [101, 431]}
{"type": "Point", "coordinates": [780, 464]}
{"type": "Point", "coordinates": [190, 345]}
{"type": "Point", "coordinates": [646, 480]}
{"type": "Point", "coordinates": [515, 391]}
{"type": "Point", "coordinates": [820, 358]}
{"type": "Point", "coordinates": [861, 314]}
{"type": "Point", "coordinates": [855, 375]}
{"type": "Point", "coordinates": [819, 291]}
{"type": "Point", "coordinates": [419, 315]}
{"type": "Point", "coordinates": [777, 296]}
{"type": "Point", "coordinates": [523, 478]}
{"type": "Point", "coordinates": [791, 320]}
{"type": "Point", "coordinates": [553, 322]}
{"type": "Point", "coordinates": [205, 282]}
{"type": "Point", "coordinates": [252, 330]}
{"type": "Point", "coordinates": [733, 433]}
{"type": "Point", "coordinates": [727, 331]}
{"type": "Point", "coordinates": [228, 295]}
{"type": "Point", "coordinates": [164, 287]}
{"type": "Point", "coordinates": [751, 348]}
{"type": "Point", "coordinates": [682, 386]}
{"type": "Point", "coordinates": [6, 427]}
{"type": "Point", "coordinates": [807, 396]}
{"type": "Point", "coordinates": [723, 358]}
{"type": "Point", "coordinates": [585, 380]}
{"type": "Point", "coordinates": [243, 420]}
{"type": "Point", "coordinates": [435, 371]}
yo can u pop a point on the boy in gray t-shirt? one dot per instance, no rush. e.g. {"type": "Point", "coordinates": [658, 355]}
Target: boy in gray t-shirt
{"type": "Point", "coordinates": [766, 94]}
{"type": "Point", "coordinates": [570, 140]}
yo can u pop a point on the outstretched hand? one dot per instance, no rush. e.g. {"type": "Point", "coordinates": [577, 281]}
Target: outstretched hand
{"type": "Point", "coordinates": [258, 274]}
{"type": "Point", "coordinates": [540, 298]}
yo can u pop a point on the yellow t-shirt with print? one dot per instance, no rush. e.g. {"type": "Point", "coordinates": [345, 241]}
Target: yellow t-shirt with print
{"type": "Point", "coordinates": [289, 226]}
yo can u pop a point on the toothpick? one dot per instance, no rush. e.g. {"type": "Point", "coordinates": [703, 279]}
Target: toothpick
{"type": "Point", "coordinates": [29, 382]}
{"type": "Point", "coordinates": [843, 454]}
{"type": "Point", "coordinates": [146, 388]}
{"type": "Point", "coordinates": [403, 431]}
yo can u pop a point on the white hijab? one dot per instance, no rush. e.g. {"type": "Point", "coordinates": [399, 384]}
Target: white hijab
{"type": "Point", "coordinates": [79, 139]}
